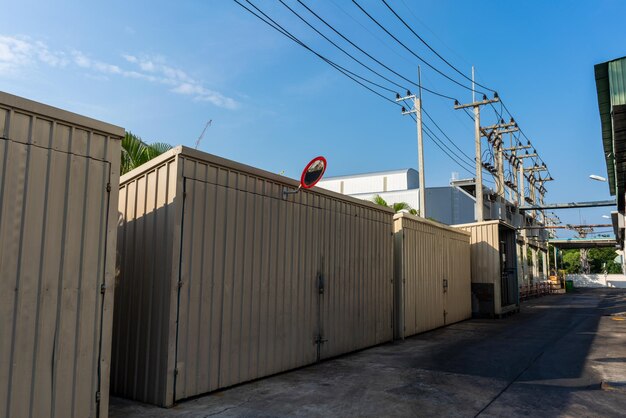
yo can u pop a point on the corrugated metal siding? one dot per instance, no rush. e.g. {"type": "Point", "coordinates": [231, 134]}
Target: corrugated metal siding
{"type": "Point", "coordinates": [485, 256]}
{"type": "Point", "coordinates": [141, 330]}
{"type": "Point", "coordinates": [357, 265]}
{"type": "Point", "coordinates": [458, 298]}
{"type": "Point", "coordinates": [485, 253]}
{"type": "Point", "coordinates": [249, 262]}
{"type": "Point", "coordinates": [617, 82]}
{"type": "Point", "coordinates": [56, 251]}
{"type": "Point", "coordinates": [426, 255]}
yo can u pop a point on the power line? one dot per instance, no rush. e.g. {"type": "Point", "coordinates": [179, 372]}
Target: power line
{"type": "Point", "coordinates": [366, 53]}
{"type": "Point", "coordinates": [523, 134]}
{"type": "Point", "coordinates": [434, 33]}
{"type": "Point", "coordinates": [448, 63]}
{"type": "Point", "coordinates": [340, 48]}
{"type": "Point", "coordinates": [338, 67]}
{"type": "Point", "coordinates": [411, 51]}
{"type": "Point", "coordinates": [432, 49]}
{"type": "Point", "coordinates": [346, 72]}
{"type": "Point", "coordinates": [444, 134]}
{"type": "Point", "coordinates": [428, 129]}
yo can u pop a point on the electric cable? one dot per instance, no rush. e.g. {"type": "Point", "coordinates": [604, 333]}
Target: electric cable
{"type": "Point", "coordinates": [343, 70]}
{"type": "Point", "coordinates": [432, 49]}
{"type": "Point", "coordinates": [413, 52]}
{"type": "Point", "coordinates": [340, 48]}
{"type": "Point", "coordinates": [369, 55]}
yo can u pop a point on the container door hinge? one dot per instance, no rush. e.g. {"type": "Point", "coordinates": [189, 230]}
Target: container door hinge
{"type": "Point", "coordinates": [98, 397]}
{"type": "Point", "coordinates": [108, 187]}
{"type": "Point", "coordinates": [102, 288]}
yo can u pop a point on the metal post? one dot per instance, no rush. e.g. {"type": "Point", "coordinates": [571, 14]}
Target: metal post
{"type": "Point", "coordinates": [420, 146]}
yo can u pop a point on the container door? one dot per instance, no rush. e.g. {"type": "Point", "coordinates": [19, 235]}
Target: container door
{"type": "Point", "coordinates": [356, 299]}
{"type": "Point", "coordinates": [248, 283]}
{"type": "Point", "coordinates": [457, 282]}
{"type": "Point", "coordinates": [53, 226]}
{"type": "Point", "coordinates": [509, 288]}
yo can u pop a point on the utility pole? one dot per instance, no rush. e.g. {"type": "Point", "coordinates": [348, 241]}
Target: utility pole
{"type": "Point", "coordinates": [477, 139]}
{"type": "Point", "coordinates": [417, 110]}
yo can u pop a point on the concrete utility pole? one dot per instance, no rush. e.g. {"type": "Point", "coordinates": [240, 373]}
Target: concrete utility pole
{"type": "Point", "coordinates": [417, 109]}
{"type": "Point", "coordinates": [477, 139]}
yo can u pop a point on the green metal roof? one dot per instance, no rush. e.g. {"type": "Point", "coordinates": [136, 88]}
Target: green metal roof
{"type": "Point", "coordinates": [611, 88]}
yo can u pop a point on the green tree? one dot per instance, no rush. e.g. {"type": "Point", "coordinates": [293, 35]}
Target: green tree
{"type": "Point", "coordinates": [599, 258]}
{"type": "Point", "coordinates": [570, 261]}
{"type": "Point", "coordinates": [397, 207]}
{"type": "Point", "coordinates": [136, 152]}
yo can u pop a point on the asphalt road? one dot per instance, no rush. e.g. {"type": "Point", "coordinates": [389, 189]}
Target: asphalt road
{"type": "Point", "coordinates": [563, 355]}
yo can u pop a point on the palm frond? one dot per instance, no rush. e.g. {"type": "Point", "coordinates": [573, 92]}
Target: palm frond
{"type": "Point", "coordinates": [379, 201]}
{"type": "Point", "coordinates": [398, 206]}
{"type": "Point", "coordinates": [136, 152]}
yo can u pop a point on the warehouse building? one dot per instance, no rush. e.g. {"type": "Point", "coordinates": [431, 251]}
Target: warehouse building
{"type": "Point", "coordinates": [611, 88]}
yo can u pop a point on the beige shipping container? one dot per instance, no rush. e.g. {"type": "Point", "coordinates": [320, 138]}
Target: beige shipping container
{"type": "Point", "coordinates": [59, 176]}
{"type": "Point", "coordinates": [432, 275]}
{"type": "Point", "coordinates": [224, 280]}
{"type": "Point", "coordinates": [495, 289]}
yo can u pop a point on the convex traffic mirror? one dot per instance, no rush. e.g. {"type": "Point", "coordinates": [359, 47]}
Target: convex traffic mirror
{"type": "Point", "coordinates": [311, 174]}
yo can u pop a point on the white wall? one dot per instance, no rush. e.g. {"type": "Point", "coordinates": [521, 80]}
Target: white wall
{"type": "Point", "coordinates": [597, 280]}
{"type": "Point", "coordinates": [372, 183]}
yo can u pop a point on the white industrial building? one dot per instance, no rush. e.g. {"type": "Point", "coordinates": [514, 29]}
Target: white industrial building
{"type": "Point", "coordinates": [454, 204]}
{"type": "Point", "coordinates": [448, 204]}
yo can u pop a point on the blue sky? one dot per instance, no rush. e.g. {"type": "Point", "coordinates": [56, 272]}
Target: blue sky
{"type": "Point", "coordinates": [163, 69]}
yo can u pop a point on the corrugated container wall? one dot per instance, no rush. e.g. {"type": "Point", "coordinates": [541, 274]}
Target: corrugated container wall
{"type": "Point", "coordinates": [432, 275]}
{"type": "Point", "coordinates": [494, 268]}
{"type": "Point", "coordinates": [224, 280]}
{"type": "Point", "coordinates": [59, 176]}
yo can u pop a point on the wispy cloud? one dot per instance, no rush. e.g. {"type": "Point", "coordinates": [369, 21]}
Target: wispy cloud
{"type": "Point", "coordinates": [18, 53]}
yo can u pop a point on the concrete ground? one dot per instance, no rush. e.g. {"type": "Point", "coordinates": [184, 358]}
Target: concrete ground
{"type": "Point", "coordinates": [563, 355]}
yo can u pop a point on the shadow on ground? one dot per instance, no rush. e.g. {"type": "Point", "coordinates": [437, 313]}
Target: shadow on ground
{"type": "Point", "coordinates": [550, 360]}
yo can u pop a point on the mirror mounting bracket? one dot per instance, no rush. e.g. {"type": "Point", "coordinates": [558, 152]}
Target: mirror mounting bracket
{"type": "Point", "coordinates": [287, 191]}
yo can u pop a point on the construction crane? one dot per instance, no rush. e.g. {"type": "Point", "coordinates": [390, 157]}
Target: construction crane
{"type": "Point", "coordinates": [202, 134]}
